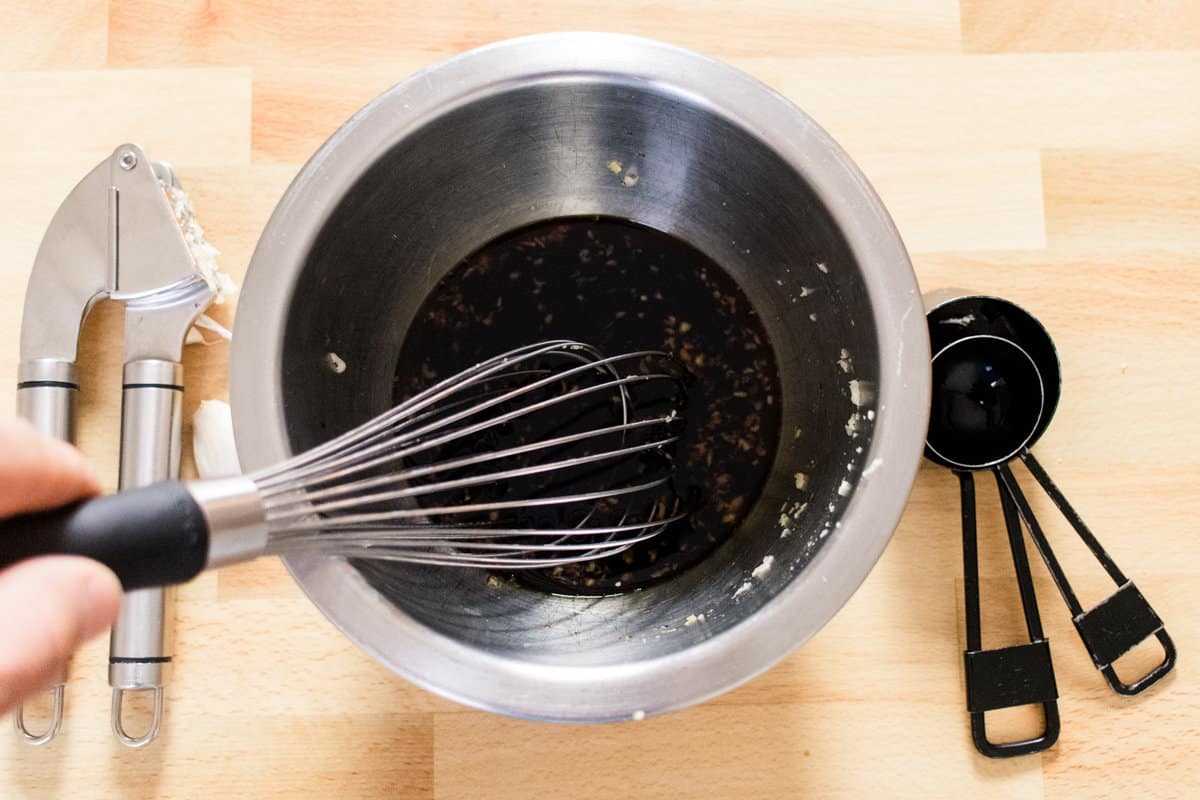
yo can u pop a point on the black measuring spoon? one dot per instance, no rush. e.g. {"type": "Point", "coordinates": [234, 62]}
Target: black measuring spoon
{"type": "Point", "coordinates": [996, 384]}
{"type": "Point", "coordinates": [977, 411]}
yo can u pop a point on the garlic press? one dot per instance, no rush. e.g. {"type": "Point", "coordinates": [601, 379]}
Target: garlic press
{"type": "Point", "coordinates": [124, 233]}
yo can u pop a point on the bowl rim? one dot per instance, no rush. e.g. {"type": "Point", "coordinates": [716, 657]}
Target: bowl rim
{"type": "Point", "coordinates": [615, 691]}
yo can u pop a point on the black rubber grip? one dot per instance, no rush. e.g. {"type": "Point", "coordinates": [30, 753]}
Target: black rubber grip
{"type": "Point", "coordinates": [154, 536]}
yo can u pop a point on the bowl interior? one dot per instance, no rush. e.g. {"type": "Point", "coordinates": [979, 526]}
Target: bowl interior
{"type": "Point", "coordinates": [567, 146]}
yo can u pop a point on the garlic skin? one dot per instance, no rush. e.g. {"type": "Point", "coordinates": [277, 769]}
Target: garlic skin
{"type": "Point", "coordinates": [205, 322]}
{"type": "Point", "coordinates": [213, 447]}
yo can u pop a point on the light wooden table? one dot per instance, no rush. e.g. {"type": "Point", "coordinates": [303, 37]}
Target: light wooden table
{"type": "Point", "coordinates": [1045, 150]}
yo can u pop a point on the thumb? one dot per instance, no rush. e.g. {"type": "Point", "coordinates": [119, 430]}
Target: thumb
{"type": "Point", "coordinates": [49, 606]}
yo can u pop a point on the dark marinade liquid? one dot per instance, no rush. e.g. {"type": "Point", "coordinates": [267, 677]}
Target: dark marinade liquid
{"type": "Point", "coordinates": [621, 287]}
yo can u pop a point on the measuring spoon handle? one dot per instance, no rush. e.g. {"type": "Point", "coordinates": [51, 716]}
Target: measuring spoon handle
{"type": "Point", "coordinates": [1115, 625]}
{"type": "Point", "coordinates": [1004, 677]}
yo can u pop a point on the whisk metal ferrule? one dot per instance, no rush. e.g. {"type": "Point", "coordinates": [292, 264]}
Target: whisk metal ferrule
{"type": "Point", "coordinates": [236, 517]}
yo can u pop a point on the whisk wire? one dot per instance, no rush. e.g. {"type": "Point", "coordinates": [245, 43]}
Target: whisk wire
{"type": "Point", "coordinates": [380, 453]}
{"type": "Point", "coordinates": [358, 487]}
{"type": "Point", "coordinates": [398, 488]}
{"type": "Point", "coordinates": [323, 522]}
{"type": "Point", "coordinates": [395, 420]}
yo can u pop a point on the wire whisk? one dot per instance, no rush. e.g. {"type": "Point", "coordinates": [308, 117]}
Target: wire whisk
{"type": "Point", "coordinates": [545, 455]}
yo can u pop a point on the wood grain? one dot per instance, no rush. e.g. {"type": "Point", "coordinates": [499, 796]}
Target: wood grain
{"type": "Point", "coordinates": [61, 35]}
{"type": "Point", "coordinates": [1043, 151]}
{"type": "Point", "coordinates": [749, 751]}
{"type": "Point", "coordinates": [150, 33]}
{"type": "Point", "coordinates": [945, 103]}
{"type": "Point", "coordinates": [200, 115]}
{"type": "Point", "coordinates": [1058, 26]}
{"type": "Point", "coordinates": [962, 201]}
{"type": "Point", "coordinates": [1109, 198]}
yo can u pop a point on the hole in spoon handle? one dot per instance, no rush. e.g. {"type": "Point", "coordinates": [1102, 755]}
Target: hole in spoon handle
{"type": "Point", "coordinates": [1037, 744]}
{"type": "Point", "coordinates": [1150, 678]}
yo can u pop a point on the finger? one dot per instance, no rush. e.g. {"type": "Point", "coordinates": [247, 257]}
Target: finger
{"type": "Point", "coordinates": [51, 605]}
{"type": "Point", "coordinates": [37, 473]}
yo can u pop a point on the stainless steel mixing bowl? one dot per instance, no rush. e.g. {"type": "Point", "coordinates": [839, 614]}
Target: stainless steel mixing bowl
{"type": "Point", "coordinates": [574, 124]}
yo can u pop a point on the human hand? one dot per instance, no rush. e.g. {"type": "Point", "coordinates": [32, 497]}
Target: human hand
{"type": "Point", "coordinates": [52, 604]}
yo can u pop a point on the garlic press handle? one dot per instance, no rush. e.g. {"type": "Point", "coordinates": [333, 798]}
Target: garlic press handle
{"type": "Point", "coordinates": [47, 396]}
{"type": "Point", "coordinates": [141, 648]}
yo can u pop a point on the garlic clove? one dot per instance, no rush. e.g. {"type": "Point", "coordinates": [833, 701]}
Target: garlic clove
{"type": "Point", "coordinates": [213, 445]}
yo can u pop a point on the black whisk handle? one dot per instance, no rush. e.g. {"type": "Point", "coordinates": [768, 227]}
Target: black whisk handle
{"type": "Point", "coordinates": [153, 536]}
